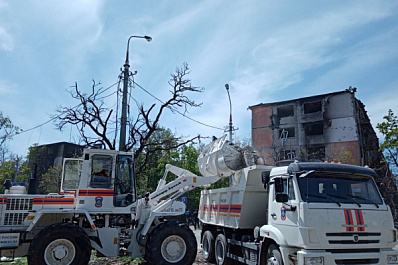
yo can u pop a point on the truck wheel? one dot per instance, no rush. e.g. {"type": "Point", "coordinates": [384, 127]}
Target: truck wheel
{"type": "Point", "coordinates": [61, 244]}
{"type": "Point", "coordinates": [171, 243]}
{"type": "Point", "coordinates": [208, 246]}
{"type": "Point", "coordinates": [274, 256]}
{"type": "Point", "coordinates": [221, 251]}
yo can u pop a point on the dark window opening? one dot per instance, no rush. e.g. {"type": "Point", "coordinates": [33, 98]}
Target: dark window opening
{"type": "Point", "coordinates": [287, 133]}
{"type": "Point", "coordinates": [313, 128]}
{"type": "Point", "coordinates": [312, 107]}
{"type": "Point", "coordinates": [316, 153]}
{"type": "Point", "coordinates": [287, 155]}
{"type": "Point", "coordinates": [285, 111]}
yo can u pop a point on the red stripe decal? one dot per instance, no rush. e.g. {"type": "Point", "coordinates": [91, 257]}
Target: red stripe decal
{"type": "Point", "coordinates": [96, 193]}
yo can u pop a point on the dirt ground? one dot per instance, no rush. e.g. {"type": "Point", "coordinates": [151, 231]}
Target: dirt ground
{"type": "Point", "coordinates": [198, 261]}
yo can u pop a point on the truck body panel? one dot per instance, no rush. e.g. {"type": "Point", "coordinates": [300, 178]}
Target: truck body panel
{"type": "Point", "coordinates": [233, 207]}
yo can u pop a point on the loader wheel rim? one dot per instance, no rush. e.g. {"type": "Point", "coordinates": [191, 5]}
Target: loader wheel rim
{"type": "Point", "coordinates": [173, 249]}
{"type": "Point", "coordinates": [272, 261]}
{"type": "Point", "coordinates": [60, 251]}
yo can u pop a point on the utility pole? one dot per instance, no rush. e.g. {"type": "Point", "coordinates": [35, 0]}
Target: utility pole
{"type": "Point", "coordinates": [17, 160]}
{"type": "Point", "coordinates": [126, 75]}
{"type": "Point", "coordinates": [230, 127]}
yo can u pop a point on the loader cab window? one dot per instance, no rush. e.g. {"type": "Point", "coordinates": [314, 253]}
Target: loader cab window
{"type": "Point", "coordinates": [101, 171]}
{"type": "Point", "coordinates": [71, 174]}
{"type": "Point", "coordinates": [124, 182]}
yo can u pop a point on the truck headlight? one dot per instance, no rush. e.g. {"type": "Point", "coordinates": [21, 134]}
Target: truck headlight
{"type": "Point", "coordinates": [313, 261]}
{"type": "Point", "coordinates": [392, 259]}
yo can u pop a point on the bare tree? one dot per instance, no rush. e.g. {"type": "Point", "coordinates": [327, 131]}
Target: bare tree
{"type": "Point", "coordinates": [7, 130]}
{"type": "Point", "coordinates": [92, 114]}
{"type": "Point", "coordinates": [143, 127]}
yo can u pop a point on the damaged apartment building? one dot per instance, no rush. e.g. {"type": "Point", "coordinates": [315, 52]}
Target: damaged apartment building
{"type": "Point", "coordinates": [328, 127]}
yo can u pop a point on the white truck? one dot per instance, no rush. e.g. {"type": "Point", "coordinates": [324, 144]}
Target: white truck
{"type": "Point", "coordinates": [98, 208]}
{"type": "Point", "coordinates": [300, 214]}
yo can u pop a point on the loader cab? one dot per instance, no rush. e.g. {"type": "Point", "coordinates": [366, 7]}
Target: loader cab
{"type": "Point", "coordinates": [101, 180]}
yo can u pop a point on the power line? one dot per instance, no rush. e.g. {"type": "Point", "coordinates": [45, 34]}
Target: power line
{"type": "Point", "coordinates": [176, 110]}
{"type": "Point", "coordinates": [56, 117]}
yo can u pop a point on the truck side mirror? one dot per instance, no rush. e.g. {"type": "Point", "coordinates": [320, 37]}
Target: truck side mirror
{"type": "Point", "coordinates": [265, 178]}
{"type": "Point", "coordinates": [278, 185]}
{"type": "Point", "coordinates": [280, 197]}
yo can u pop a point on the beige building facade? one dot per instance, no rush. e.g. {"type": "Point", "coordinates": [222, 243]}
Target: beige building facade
{"type": "Point", "coordinates": [332, 127]}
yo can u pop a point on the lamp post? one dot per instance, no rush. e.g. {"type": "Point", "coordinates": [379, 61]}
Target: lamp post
{"type": "Point", "coordinates": [126, 74]}
{"type": "Point", "coordinates": [230, 114]}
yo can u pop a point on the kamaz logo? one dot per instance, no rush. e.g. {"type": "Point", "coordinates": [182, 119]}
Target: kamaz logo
{"type": "Point", "coordinates": [355, 238]}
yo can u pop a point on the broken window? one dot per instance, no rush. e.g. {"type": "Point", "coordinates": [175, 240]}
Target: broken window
{"type": "Point", "coordinates": [313, 128]}
{"type": "Point", "coordinates": [285, 111]}
{"type": "Point", "coordinates": [287, 155]}
{"type": "Point", "coordinates": [312, 107]}
{"type": "Point", "coordinates": [287, 133]}
{"type": "Point", "coordinates": [316, 153]}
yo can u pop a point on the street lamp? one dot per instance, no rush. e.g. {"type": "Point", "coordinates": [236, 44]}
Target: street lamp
{"type": "Point", "coordinates": [230, 114]}
{"type": "Point", "coordinates": [126, 74]}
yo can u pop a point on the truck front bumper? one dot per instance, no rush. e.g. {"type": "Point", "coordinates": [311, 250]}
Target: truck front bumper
{"type": "Point", "coordinates": [320, 257]}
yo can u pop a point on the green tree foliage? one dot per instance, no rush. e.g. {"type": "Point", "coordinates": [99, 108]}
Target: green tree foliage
{"type": "Point", "coordinates": [51, 180]}
{"type": "Point", "coordinates": [37, 160]}
{"type": "Point", "coordinates": [389, 129]}
{"type": "Point", "coordinates": [7, 129]}
{"type": "Point", "coordinates": [150, 168]}
{"type": "Point", "coordinates": [153, 167]}
{"type": "Point", "coordinates": [188, 160]}
{"type": "Point", "coordinates": [14, 169]}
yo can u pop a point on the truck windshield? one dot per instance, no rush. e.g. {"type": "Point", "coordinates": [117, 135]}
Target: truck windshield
{"type": "Point", "coordinates": [339, 188]}
{"type": "Point", "coordinates": [124, 181]}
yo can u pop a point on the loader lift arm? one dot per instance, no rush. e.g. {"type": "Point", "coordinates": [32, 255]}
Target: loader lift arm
{"type": "Point", "coordinates": [185, 182]}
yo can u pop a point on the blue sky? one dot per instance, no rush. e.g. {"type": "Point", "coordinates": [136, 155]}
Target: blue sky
{"type": "Point", "coordinates": [265, 50]}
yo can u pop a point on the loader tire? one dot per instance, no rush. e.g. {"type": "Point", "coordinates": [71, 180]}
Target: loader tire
{"type": "Point", "coordinates": [171, 243]}
{"type": "Point", "coordinates": [220, 250]}
{"type": "Point", "coordinates": [208, 246]}
{"type": "Point", "coordinates": [274, 256]}
{"type": "Point", "coordinates": [60, 244]}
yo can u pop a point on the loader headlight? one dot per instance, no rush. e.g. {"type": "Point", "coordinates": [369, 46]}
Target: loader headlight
{"type": "Point", "coordinates": [392, 259]}
{"type": "Point", "coordinates": [313, 261]}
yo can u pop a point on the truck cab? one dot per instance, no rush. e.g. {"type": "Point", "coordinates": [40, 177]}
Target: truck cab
{"type": "Point", "coordinates": [322, 213]}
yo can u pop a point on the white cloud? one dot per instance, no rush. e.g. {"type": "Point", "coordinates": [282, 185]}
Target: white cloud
{"type": "Point", "coordinates": [6, 40]}
{"type": "Point", "coordinates": [7, 89]}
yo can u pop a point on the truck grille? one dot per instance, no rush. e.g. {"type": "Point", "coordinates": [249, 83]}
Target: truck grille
{"type": "Point", "coordinates": [19, 204]}
{"type": "Point", "coordinates": [16, 211]}
{"type": "Point", "coordinates": [357, 261]}
{"type": "Point", "coordinates": [353, 238]}
{"type": "Point", "coordinates": [14, 218]}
